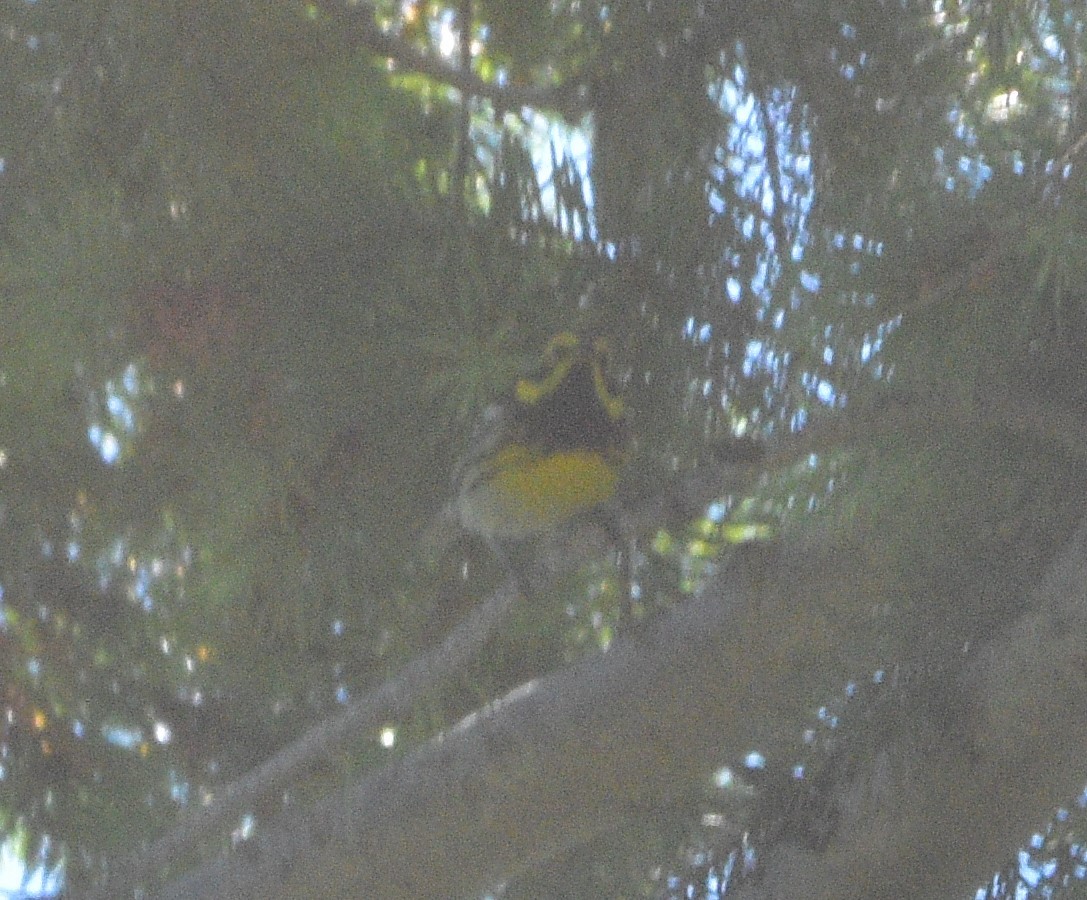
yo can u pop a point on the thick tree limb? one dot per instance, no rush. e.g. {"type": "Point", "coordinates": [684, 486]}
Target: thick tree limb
{"type": "Point", "coordinates": [551, 764]}
{"type": "Point", "coordinates": [566, 757]}
{"type": "Point", "coordinates": [397, 696]}
{"type": "Point", "coordinates": [951, 799]}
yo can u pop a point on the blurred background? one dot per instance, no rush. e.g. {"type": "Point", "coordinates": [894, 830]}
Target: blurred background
{"type": "Point", "coordinates": [263, 263]}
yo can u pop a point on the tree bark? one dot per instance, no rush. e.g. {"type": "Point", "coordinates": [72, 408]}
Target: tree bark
{"type": "Point", "coordinates": [934, 811]}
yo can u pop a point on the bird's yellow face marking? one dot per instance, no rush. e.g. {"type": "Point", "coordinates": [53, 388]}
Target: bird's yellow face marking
{"type": "Point", "coordinates": [564, 351]}
{"type": "Point", "coordinates": [558, 359]}
{"type": "Point", "coordinates": [613, 403]}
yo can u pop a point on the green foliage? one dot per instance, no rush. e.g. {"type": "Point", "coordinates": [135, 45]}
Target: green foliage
{"type": "Point", "coordinates": [286, 280]}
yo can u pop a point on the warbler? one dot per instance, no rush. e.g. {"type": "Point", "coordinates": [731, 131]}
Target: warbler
{"type": "Point", "coordinates": [550, 451]}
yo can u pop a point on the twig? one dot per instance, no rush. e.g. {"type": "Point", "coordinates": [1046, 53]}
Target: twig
{"type": "Point", "coordinates": [395, 697]}
{"type": "Point", "coordinates": [569, 100]}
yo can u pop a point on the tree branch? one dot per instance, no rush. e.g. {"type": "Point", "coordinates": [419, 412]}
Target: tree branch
{"type": "Point", "coordinates": [478, 774]}
{"type": "Point", "coordinates": [396, 697]}
{"type": "Point", "coordinates": [393, 698]}
{"type": "Point", "coordinates": [546, 767]}
{"type": "Point", "coordinates": [953, 796]}
{"type": "Point", "coordinates": [568, 100]}
{"type": "Point", "coordinates": [564, 758]}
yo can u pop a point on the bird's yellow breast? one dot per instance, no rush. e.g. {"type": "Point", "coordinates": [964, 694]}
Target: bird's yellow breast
{"type": "Point", "coordinates": [530, 492]}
